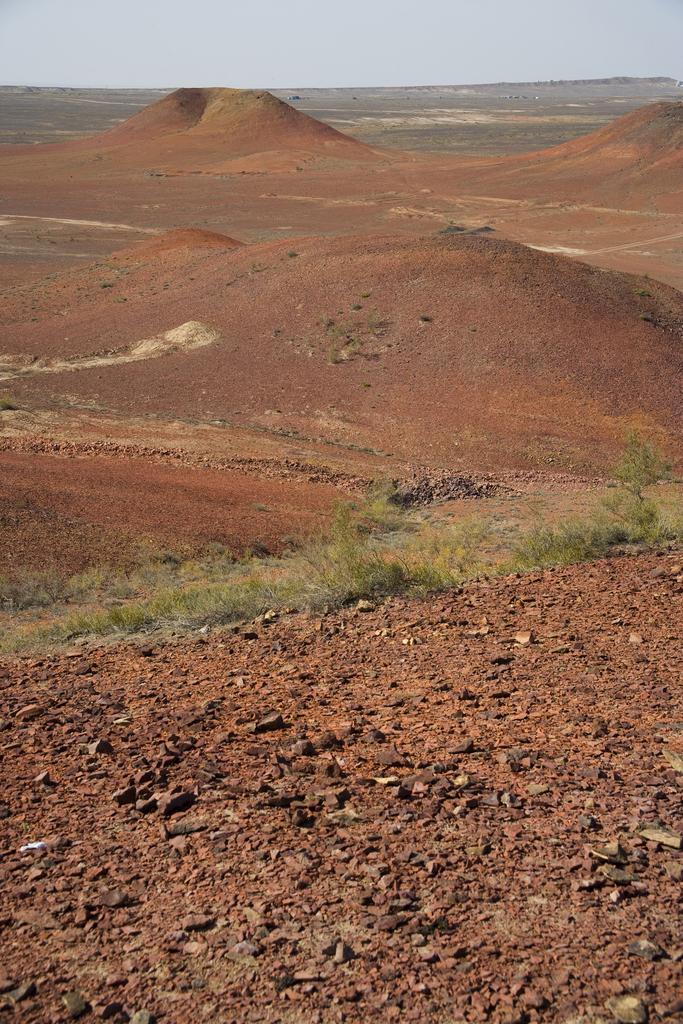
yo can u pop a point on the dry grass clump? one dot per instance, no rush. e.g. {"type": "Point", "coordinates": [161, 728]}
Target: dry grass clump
{"type": "Point", "coordinates": [623, 517]}
{"type": "Point", "coordinates": [371, 552]}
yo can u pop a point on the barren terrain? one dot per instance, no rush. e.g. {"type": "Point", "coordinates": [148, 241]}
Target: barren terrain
{"type": "Point", "coordinates": [401, 815]}
{"type": "Point", "coordinates": [419, 349]}
{"type": "Point", "coordinates": [625, 215]}
{"type": "Point", "coordinates": [222, 318]}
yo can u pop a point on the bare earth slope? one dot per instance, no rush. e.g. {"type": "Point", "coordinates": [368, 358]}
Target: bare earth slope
{"type": "Point", "coordinates": [447, 349]}
{"type": "Point", "coordinates": [198, 157]}
{"type": "Point", "coordinates": [636, 161]}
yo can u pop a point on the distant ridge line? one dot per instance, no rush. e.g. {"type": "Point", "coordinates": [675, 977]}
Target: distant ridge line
{"type": "Point", "coordinates": [623, 80]}
{"type": "Point", "coordinates": [615, 80]}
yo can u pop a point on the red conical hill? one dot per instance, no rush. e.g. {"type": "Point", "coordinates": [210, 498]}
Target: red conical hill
{"type": "Point", "coordinates": [208, 131]}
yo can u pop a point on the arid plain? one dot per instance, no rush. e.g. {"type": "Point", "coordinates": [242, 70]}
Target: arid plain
{"type": "Point", "coordinates": [225, 315]}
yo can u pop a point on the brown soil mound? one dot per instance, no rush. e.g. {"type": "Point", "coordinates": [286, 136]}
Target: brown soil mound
{"type": "Point", "coordinates": [651, 133]}
{"type": "Point", "coordinates": [181, 238]}
{"type": "Point", "coordinates": [206, 130]}
{"type": "Point", "coordinates": [313, 814]}
{"type": "Point", "coordinates": [634, 160]}
{"type": "Point", "coordinates": [437, 349]}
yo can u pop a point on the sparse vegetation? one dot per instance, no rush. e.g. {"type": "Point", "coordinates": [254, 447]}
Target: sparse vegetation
{"type": "Point", "coordinates": [6, 402]}
{"type": "Point", "coordinates": [374, 321]}
{"type": "Point", "coordinates": [371, 550]}
{"type": "Point", "coordinates": [640, 465]}
{"type": "Point", "coordinates": [346, 337]}
{"type": "Point", "coordinates": [624, 516]}
{"type": "Point", "coordinates": [425, 318]}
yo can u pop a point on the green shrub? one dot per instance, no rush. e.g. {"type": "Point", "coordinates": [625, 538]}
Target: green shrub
{"type": "Point", "coordinates": [8, 403]}
{"type": "Point", "coordinates": [352, 348]}
{"type": "Point", "coordinates": [374, 549]}
{"type": "Point", "coordinates": [640, 465]}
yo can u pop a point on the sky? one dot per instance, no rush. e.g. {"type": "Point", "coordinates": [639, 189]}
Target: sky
{"type": "Point", "coordinates": [321, 43]}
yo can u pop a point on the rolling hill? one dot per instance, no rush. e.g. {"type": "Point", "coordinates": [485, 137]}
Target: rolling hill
{"type": "Point", "coordinates": [438, 349]}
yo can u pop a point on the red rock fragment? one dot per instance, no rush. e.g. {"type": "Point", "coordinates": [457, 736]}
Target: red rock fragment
{"type": "Point", "coordinates": [124, 796]}
{"type": "Point", "coordinates": [100, 746]}
{"type": "Point", "coordinates": [113, 898]}
{"type": "Point", "coordinates": [391, 757]}
{"type": "Point", "coordinates": [389, 922]}
{"type": "Point", "coordinates": [114, 980]}
{"type": "Point", "coordinates": [245, 948]}
{"type": "Point", "coordinates": [171, 803]}
{"type": "Point", "coordinates": [270, 722]}
{"type": "Point", "coordinates": [30, 711]}
{"type": "Point", "coordinates": [343, 953]}
{"type": "Point", "coordinates": [303, 748]}
{"type": "Point", "coordinates": [196, 922]}
{"type": "Point", "coordinates": [106, 1010]}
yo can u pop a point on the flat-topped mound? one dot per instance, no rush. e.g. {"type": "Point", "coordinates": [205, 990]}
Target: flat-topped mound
{"type": "Point", "coordinates": [425, 347]}
{"type": "Point", "coordinates": [208, 131]}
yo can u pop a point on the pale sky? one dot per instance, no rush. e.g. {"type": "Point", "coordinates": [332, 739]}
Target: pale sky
{"type": "Point", "coordinates": [299, 43]}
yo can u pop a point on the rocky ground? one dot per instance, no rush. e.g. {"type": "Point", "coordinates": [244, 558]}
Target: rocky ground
{"type": "Point", "coordinates": [467, 808]}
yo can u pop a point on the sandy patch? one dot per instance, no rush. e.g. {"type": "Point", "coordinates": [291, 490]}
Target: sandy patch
{"type": "Point", "coordinates": [185, 338]}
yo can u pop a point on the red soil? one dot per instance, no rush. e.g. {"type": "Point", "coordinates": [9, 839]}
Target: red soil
{"type": "Point", "coordinates": [521, 356]}
{"type": "Point", "coordinates": [83, 505]}
{"type": "Point", "coordinates": [636, 160]}
{"type": "Point", "coordinates": [612, 189]}
{"type": "Point", "coordinates": [181, 238]}
{"type": "Point", "coordinates": [479, 885]}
